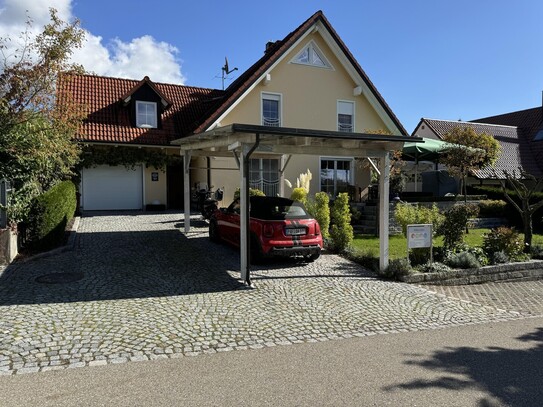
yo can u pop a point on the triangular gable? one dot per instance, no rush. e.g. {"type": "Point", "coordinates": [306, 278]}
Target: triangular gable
{"type": "Point", "coordinates": [146, 81]}
{"type": "Point", "coordinates": [311, 55]}
{"type": "Point", "coordinates": [277, 51]}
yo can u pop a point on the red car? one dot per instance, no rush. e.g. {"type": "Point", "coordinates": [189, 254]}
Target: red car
{"type": "Point", "coordinates": [279, 227]}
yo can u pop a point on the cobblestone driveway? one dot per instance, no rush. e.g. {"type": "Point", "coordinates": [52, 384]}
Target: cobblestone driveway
{"type": "Point", "coordinates": [148, 292]}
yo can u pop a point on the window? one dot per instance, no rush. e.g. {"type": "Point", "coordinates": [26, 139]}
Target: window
{"type": "Point", "coordinates": [146, 116]}
{"type": "Point", "coordinates": [345, 116]}
{"type": "Point", "coordinates": [336, 175]}
{"type": "Point", "coordinates": [264, 175]}
{"type": "Point", "coordinates": [311, 55]}
{"type": "Point", "coordinates": [271, 113]}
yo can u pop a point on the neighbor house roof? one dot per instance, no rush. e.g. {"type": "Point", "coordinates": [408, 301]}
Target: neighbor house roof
{"type": "Point", "coordinates": [273, 53]}
{"type": "Point", "coordinates": [515, 150]}
{"type": "Point", "coordinates": [108, 120]}
{"type": "Point", "coordinates": [529, 123]}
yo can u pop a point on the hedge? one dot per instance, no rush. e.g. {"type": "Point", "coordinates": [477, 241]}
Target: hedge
{"type": "Point", "coordinates": [513, 216]}
{"type": "Point", "coordinates": [49, 214]}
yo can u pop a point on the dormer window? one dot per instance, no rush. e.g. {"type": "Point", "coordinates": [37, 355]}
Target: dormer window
{"type": "Point", "coordinates": [146, 115]}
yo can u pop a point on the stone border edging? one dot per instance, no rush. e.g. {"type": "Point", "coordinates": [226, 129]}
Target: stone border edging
{"type": "Point", "coordinates": [522, 271]}
{"type": "Point", "coordinates": [68, 246]}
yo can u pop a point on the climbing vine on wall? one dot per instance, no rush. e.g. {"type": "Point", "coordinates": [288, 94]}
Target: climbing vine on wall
{"type": "Point", "coordinates": [127, 156]}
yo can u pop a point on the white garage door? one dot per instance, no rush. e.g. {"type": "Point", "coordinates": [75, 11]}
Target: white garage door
{"type": "Point", "coordinates": [112, 188]}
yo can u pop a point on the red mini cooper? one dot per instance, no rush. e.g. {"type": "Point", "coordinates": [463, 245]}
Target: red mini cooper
{"type": "Point", "coordinates": [279, 227]}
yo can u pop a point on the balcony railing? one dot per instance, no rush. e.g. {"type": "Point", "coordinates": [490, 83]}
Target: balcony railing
{"type": "Point", "coordinates": [270, 188]}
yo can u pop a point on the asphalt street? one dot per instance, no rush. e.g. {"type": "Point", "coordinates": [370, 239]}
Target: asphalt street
{"type": "Point", "coordinates": [489, 364]}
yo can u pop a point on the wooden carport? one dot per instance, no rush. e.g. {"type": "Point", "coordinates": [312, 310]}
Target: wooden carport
{"type": "Point", "coordinates": [243, 140]}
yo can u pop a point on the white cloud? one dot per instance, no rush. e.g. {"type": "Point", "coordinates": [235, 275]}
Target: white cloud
{"type": "Point", "coordinates": [133, 59]}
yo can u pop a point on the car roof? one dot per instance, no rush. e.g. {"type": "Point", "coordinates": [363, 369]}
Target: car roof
{"type": "Point", "coordinates": [275, 200]}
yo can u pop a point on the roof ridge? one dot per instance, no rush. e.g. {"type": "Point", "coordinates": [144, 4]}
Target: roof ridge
{"type": "Point", "coordinates": [136, 81]}
{"type": "Point", "coordinates": [471, 122]}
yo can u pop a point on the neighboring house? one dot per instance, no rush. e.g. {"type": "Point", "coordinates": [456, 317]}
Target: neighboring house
{"type": "Point", "coordinates": [520, 135]}
{"type": "Point", "coordinates": [308, 80]}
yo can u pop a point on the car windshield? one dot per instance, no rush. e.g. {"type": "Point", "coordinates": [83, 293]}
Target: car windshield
{"type": "Point", "coordinates": [277, 209]}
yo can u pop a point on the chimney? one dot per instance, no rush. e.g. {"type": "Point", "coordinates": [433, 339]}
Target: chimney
{"type": "Point", "coordinates": [269, 45]}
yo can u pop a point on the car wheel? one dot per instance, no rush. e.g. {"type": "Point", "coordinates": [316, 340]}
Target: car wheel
{"type": "Point", "coordinates": [313, 257]}
{"type": "Point", "coordinates": [214, 232]}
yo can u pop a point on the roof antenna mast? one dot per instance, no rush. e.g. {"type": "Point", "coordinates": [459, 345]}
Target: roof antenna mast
{"type": "Point", "coordinates": [226, 71]}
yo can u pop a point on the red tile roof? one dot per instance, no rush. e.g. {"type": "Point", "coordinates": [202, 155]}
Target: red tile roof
{"type": "Point", "coordinates": [191, 110]}
{"type": "Point", "coordinates": [108, 120]}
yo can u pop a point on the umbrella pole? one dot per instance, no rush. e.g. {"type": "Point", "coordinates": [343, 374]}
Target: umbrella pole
{"type": "Point", "coordinates": [416, 173]}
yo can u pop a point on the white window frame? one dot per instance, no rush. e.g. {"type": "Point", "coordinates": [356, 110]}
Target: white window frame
{"type": "Point", "coordinates": [336, 159]}
{"type": "Point", "coordinates": [271, 96]}
{"type": "Point", "coordinates": [146, 125]}
{"type": "Point", "coordinates": [339, 111]}
{"type": "Point", "coordinates": [312, 47]}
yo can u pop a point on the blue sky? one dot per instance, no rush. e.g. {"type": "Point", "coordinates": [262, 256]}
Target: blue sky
{"type": "Point", "coordinates": [429, 58]}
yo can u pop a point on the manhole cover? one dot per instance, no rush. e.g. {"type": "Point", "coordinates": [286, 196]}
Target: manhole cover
{"type": "Point", "coordinates": [59, 278]}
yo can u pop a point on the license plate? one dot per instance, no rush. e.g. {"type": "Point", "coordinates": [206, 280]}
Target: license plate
{"type": "Point", "coordinates": [295, 231]}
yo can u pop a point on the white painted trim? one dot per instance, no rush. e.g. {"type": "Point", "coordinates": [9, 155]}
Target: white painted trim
{"type": "Point", "coordinates": [143, 102]}
{"type": "Point", "coordinates": [359, 81]}
{"type": "Point", "coordinates": [258, 80]}
{"type": "Point", "coordinates": [354, 113]}
{"type": "Point", "coordinates": [312, 44]}
{"type": "Point", "coordinates": [337, 158]}
{"type": "Point", "coordinates": [273, 95]}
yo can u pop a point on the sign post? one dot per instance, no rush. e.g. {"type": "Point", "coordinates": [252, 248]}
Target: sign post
{"type": "Point", "coordinates": [419, 236]}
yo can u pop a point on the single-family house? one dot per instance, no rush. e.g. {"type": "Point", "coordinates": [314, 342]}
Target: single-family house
{"type": "Point", "coordinates": [519, 133]}
{"type": "Point", "coordinates": [307, 92]}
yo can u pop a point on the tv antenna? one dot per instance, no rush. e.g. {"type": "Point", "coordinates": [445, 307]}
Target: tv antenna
{"type": "Point", "coordinates": [226, 71]}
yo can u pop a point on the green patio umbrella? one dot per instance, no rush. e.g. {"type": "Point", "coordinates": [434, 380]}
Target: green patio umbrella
{"type": "Point", "coordinates": [426, 150]}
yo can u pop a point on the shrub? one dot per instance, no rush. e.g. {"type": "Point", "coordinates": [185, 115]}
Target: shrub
{"type": "Point", "coordinates": [252, 192]}
{"type": "Point", "coordinates": [321, 212]}
{"type": "Point", "coordinates": [536, 251]}
{"type": "Point", "coordinates": [342, 234]}
{"type": "Point", "coordinates": [407, 214]}
{"type": "Point", "coordinates": [492, 208]}
{"type": "Point", "coordinates": [299, 195]}
{"type": "Point", "coordinates": [366, 259]}
{"type": "Point", "coordinates": [49, 214]}
{"type": "Point", "coordinates": [499, 257]}
{"type": "Point", "coordinates": [419, 256]}
{"type": "Point", "coordinates": [454, 224]}
{"type": "Point", "coordinates": [435, 267]}
{"type": "Point", "coordinates": [503, 239]}
{"type": "Point", "coordinates": [397, 268]}
{"type": "Point", "coordinates": [463, 260]}
{"type": "Point", "coordinates": [477, 252]}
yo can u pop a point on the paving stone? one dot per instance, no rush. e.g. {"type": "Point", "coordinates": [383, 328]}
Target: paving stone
{"type": "Point", "coordinates": [151, 292]}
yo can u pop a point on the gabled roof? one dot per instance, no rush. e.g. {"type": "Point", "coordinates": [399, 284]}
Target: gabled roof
{"type": "Point", "coordinates": [515, 152]}
{"type": "Point", "coordinates": [273, 53]}
{"type": "Point", "coordinates": [108, 120]}
{"type": "Point", "coordinates": [146, 81]}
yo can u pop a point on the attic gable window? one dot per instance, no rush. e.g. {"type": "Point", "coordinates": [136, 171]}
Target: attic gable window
{"type": "Point", "coordinates": [146, 115]}
{"type": "Point", "coordinates": [313, 56]}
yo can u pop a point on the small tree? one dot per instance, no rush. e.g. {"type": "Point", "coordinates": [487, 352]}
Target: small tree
{"type": "Point", "coordinates": [454, 223]}
{"type": "Point", "coordinates": [37, 122]}
{"type": "Point", "coordinates": [524, 191]}
{"type": "Point", "coordinates": [468, 151]}
{"type": "Point", "coordinates": [322, 212]}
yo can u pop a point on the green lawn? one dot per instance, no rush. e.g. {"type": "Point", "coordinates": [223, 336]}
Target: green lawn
{"type": "Point", "coordinates": [398, 244]}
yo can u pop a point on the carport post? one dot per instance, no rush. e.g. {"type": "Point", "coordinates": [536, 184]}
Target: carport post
{"type": "Point", "coordinates": [186, 187]}
{"type": "Point", "coordinates": [384, 178]}
{"type": "Point", "coordinates": [245, 226]}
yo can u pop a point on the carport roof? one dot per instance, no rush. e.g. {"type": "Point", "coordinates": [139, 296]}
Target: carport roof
{"type": "Point", "coordinates": [287, 140]}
